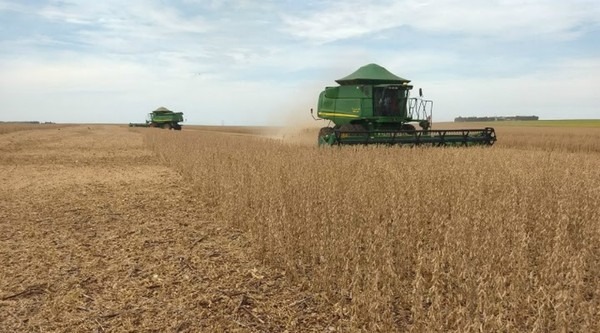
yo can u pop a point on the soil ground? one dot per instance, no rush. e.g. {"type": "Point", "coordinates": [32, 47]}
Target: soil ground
{"type": "Point", "coordinates": [96, 235]}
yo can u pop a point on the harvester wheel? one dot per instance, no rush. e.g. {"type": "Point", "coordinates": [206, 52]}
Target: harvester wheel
{"type": "Point", "coordinates": [325, 131]}
{"type": "Point", "coordinates": [353, 128]}
{"type": "Point", "coordinates": [325, 134]}
{"type": "Point", "coordinates": [166, 126]}
{"type": "Point", "coordinates": [354, 132]}
{"type": "Point", "coordinates": [410, 129]}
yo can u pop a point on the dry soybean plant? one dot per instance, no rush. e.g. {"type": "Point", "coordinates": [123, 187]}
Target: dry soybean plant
{"type": "Point", "coordinates": [414, 239]}
{"type": "Point", "coordinates": [567, 139]}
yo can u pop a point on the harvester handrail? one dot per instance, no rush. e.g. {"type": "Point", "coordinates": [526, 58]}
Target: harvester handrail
{"type": "Point", "coordinates": [419, 108]}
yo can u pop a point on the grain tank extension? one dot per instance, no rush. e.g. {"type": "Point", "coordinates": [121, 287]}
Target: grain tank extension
{"type": "Point", "coordinates": [373, 106]}
{"type": "Point", "coordinates": [162, 118]}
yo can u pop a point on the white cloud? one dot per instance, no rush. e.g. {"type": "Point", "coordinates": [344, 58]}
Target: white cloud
{"type": "Point", "coordinates": [504, 19]}
{"type": "Point", "coordinates": [229, 61]}
{"type": "Point", "coordinates": [135, 20]}
{"type": "Point", "coordinates": [71, 74]}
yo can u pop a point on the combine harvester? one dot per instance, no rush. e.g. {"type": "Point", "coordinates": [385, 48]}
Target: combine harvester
{"type": "Point", "coordinates": [162, 118]}
{"type": "Point", "coordinates": [372, 106]}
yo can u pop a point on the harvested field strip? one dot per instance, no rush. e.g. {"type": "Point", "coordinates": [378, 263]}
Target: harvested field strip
{"type": "Point", "coordinates": [423, 239]}
{"type": "Point", "coordinates": [15, 127]}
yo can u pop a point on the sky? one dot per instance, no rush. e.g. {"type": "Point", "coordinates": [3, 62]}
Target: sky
{"type": "Point", "coordinates": [244, 62]}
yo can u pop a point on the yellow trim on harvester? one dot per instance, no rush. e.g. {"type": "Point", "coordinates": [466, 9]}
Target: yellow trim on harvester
{"type": "Point", "coordinates": [333, 114]}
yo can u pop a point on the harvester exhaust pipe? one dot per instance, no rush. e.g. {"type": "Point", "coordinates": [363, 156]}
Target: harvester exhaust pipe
{"type": "Point", "coordinates": [313, 115]}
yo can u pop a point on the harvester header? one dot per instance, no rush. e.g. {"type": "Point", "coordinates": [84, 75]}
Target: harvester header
{"type": "Point", "coordinates": [373, 106]}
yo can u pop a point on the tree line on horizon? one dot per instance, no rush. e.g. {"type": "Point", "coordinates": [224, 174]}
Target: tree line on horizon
{"type": "Point", "coordinates": [496, 118]}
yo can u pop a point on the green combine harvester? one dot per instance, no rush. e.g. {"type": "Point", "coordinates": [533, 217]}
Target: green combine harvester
{"type": "Point", "coordinates": [162, 118]}
{"type": "Point", "coordinates": [373, 106]}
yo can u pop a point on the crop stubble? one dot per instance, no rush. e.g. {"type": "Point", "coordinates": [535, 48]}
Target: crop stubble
{"type": "Point", "coordinates": [96, 235]}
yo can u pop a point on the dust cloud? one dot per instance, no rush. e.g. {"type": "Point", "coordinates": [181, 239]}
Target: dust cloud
{"type": "Point", "coordinates": [292, 118]}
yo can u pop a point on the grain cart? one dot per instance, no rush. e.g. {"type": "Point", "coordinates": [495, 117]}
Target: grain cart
{"type": "Point", "coordinates": [373, 106]}
{"type": "Point", "coordinates": [162, 118]}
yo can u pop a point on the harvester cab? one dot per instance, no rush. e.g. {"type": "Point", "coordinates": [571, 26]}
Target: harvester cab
{"type": "Point", "coordinates": [373, 106]}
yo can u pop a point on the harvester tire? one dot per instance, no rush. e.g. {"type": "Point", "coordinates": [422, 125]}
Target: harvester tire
{"type": "Point", "coordinates": [325, 131]}
{"type": "Point", "coordinates": [352, 128]}
{"type": "Point", "coordinates": [325, 134]}
{"type": "Point", "coordinates": [166, 126]}
{"type": "Point", "coordinates": [356, 131]}
{"type": "Point", "coordinates": [408, 128]}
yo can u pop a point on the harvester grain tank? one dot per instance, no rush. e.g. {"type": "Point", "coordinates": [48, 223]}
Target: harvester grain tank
{"type": "Point", "coordinates": [162, 118]}
{"type": "Point", "coordinates": [373, 106]}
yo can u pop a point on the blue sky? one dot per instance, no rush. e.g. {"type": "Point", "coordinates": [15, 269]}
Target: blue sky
{"type": "Point", "coordinates": [242, 62]}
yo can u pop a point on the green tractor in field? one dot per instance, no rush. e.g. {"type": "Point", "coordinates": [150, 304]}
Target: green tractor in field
{"type": "Point", "coordinates": [162, 118]}
{"type": "Point", "coordinates": [373, 106]}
